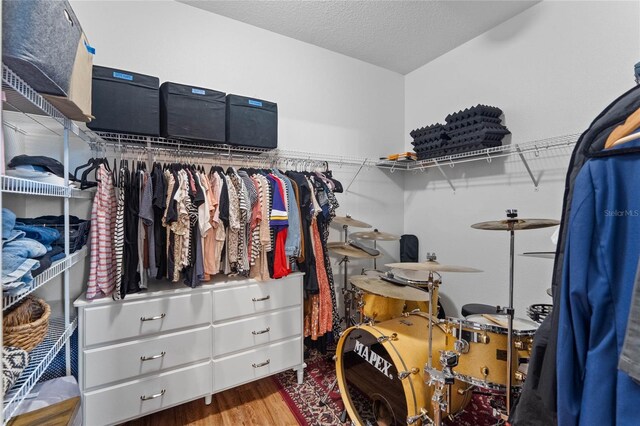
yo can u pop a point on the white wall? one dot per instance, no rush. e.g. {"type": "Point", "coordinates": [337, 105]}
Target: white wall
{"type": "Point", "coordinates": [551, 69]}
{"type": "Point", "coordinates": [328, 103]}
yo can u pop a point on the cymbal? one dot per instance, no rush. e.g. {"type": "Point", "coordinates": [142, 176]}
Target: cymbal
{"type": "Point", "coordinates": [348, 250]}
{"type": "Point", "coordinates": [407, 274]}
{"type": "Point", "coordinates": [349, 221]}
{"type": "Point", "coordinates": [431, 265]}
{"type": "Point", "coordinates": [383, 288]}
{"type": "Point", "coordinates": [515, 224]}
{"type": "Point", "coordinates": [375, 235]}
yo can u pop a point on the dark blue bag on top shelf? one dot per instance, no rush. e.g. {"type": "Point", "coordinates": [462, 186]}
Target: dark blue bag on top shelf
{"type": "Point", "coordinates": [189, 112]}
{"type": "Point", "coordinates": [125, 102]}
{"type": "Point", "coordinates": [251, 122]}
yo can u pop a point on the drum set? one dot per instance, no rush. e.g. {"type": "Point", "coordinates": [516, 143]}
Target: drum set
{"type": "Point", "coordinates": [398, 364]}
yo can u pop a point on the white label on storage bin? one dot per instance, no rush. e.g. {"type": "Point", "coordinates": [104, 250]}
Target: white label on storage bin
{"type": "Point", "coordinates": [255, 103]}
{"type": "Point", "coordinates": [197, 91]}
{"type": "Point", "coordinates": [123, 76]}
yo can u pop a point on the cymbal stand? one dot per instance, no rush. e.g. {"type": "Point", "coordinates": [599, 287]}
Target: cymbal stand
{"type": "Point", "coordinates": [375, 247]}
{"type": "Point", "coordinates": [348, 293]}
{"type": "Point", "coordinates": [512, 216]}
{"type": "Point", "coordinates": [431, 284]}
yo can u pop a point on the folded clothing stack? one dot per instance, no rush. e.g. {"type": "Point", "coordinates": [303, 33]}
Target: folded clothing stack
{"type": "Point", "coordinates": [38, 168]}
{"type": "Point", "coordinates": [26, 252]}
{"type": "Point", "coordinates": [78, 229]}
{"type": "Point", "coordinates": [468, 130]}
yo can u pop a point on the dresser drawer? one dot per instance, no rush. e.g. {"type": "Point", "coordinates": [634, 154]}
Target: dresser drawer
{"type": "Point", "coordinates": [125, 360]}
{"type": "Point", "coordinates": [255, 298]}
{"type": "Point", "coordinates": [121, 402]}
{"type": "Point", "coordinates": [257, 363]}
{"type": "Point", "coordinates": [249, 332]}
{"type": "Point", "coordinates": [127, 320]}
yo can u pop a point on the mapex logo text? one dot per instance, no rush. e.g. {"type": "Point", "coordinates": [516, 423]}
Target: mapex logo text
{"type": "Point", "coordinates": [373, 358]}
{"type": "Point", "coordinates": [622, 213]}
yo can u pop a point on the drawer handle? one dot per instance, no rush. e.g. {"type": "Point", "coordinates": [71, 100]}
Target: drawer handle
{"type": "Point", "coordinates": [261, 299]}
{"type": "Point", "coordinates": [157, 317]}
{"type": "Point", "coordinates": [266, 330]}
{"type": "Point", "coordinates": [158, 395]}
{"type": "Point", "coordinates": [149, 358]}
{"type": "Point", "coordinates": [262, 364]}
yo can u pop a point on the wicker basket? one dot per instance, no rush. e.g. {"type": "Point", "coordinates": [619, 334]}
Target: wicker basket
{"type": "Point", "coordinates": [26, 326]}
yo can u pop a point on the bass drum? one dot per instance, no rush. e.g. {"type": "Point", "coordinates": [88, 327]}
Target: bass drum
{"type": "Point", "coordinates": [369, 358]}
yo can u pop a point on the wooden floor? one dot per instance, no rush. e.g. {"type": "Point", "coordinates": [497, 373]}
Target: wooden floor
{"type": "Point", "coordinates": [258, 403]}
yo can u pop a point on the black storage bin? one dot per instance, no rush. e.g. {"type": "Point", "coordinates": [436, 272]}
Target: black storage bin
{"type": "Point", "coordinates": [192, 113]}
{"type": "Point", "coordinates": [251, 122]}
{"type": "Point", "coordinates": [39, 43]}
{"type": "Point", "coordinates": [125, 102]}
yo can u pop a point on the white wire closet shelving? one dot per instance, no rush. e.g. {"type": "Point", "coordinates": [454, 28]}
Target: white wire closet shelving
{"type": "Point", "coordinates": [154, 144]}
{"type": "Point", "coordinates": [39, 359]}
{"type": "Point", "coordinates": [537, 148]}
{"type": "Point", "coordinates": [32, 108]}
{"type": "Point", "coordinates": [20, 97]}
{"type": "Point", "coordinates": [16, 185]}
{"type": "Point", "coordinates": [50, 273]}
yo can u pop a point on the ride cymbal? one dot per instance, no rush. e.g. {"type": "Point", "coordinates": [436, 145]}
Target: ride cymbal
{"type": "Point", "coordinates": [349, 221]}
{"type": "Point", "coordinates": [375, 235]}
{"type": "Point", "coordinates": [515, 224]}
{"type": "Point", "coordinates": [383, 288]}
{"type": "Point", "coordinates": [431, 266]}
{"type": "Point", "coordinates": [348, 250]}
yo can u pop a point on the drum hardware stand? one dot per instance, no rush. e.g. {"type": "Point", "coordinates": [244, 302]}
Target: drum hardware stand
{"type": "Point", "coordinates": [375, 247]}
{"type": "Point", "coordinates": [443, 380]}
{"type": "Point", "coordinates": [431, 283]}
{"type": "Point", "coordinates": [512, 215]}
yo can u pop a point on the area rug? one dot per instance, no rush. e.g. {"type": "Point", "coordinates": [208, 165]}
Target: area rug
{"type": "Point", "coordinates": [304, 400]}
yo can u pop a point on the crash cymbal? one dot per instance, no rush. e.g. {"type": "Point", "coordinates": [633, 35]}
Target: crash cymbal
{"type": "Point", "coordinates": [515, 224]}
{"type": "Point", "coordinates": [432, 266]}
{"type": "Point", "coordinates": [349, 221]}
{"type": "Point", "coordinates": [383, 288]}
{"type": "Point", "coordinates": [348, 250]}
{"type": "Point", "coordinates": [375, 235]}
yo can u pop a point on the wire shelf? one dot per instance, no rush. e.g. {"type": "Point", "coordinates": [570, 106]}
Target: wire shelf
{"type": "Point", "coordinates": [39, 359]}
{"type": "Point", "coordinates": [53, 271]}
{"type": "Point", "coordinates": [537, 147]}
{"type": "Point", "coordinates": [21, 97]}
{"type": "Point", "coordinates": [16, 185]}
{"type": "Point", "coordinates": [153, 144]}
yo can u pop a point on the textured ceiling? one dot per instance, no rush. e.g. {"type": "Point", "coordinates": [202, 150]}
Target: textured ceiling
{"type": "Point", "coordinates": [398, 35]}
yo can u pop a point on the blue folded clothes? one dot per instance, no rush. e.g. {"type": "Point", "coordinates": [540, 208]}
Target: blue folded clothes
{"type": "Point", "coordinates": [42, 234]}
{"type": "Point", "coordinates": [56, 253]}
{"type": "Point", "coordinates": [58, 256]}
{"type": "Point", "coordinates": [16, 270]}
{"type": "Point", "coordinates": [8, 222]}
{"type": "Point", "coordinates": [25, 247]}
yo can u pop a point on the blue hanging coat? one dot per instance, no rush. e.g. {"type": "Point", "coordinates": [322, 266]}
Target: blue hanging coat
{"type": "Point", "coordinates": [601, 257]}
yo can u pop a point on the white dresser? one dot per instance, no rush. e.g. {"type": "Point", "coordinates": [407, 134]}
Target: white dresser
{"type": "Point", "coordinates": [173, 344]}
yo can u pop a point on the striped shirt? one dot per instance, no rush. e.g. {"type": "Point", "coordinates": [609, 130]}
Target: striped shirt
{"type": "Point", "coordinates": [103, 213]}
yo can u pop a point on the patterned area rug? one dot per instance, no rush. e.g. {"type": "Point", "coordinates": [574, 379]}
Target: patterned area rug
{"type": "Point", "coordinates": [304, 400]}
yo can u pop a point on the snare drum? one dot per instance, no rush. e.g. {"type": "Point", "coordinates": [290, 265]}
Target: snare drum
{"type": "Point", "coordinates": [380, 371]}
{"type": "Point", "coordinates": [482, 345]}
